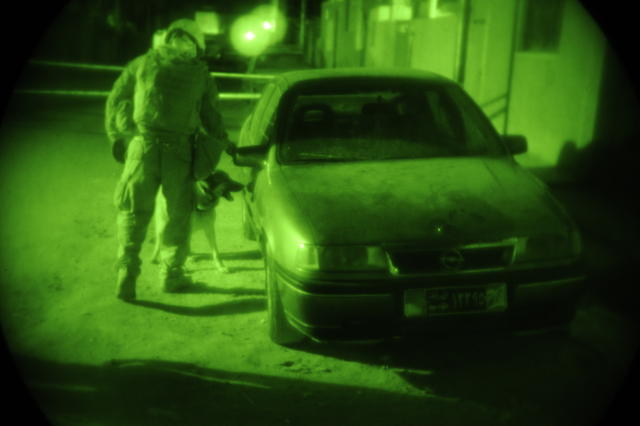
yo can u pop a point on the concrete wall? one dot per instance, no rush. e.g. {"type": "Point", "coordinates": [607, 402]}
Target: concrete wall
{"type": "Point", "coordinates": [554, 95]}
{"type": "Point", "coordinates": [328, 34]}
{"type": "Point", "coordinates": [550, 97]}
{"type": "Point", "coordinates": [487, 63]}
{"type": "Point", "coordinates": [380, 43]}
{"type": "Point", "coordinates": [313, 43]}
{"type": "Point", "coordinates": [376, 39]}
{"type": "Point", "coordinates": [350, 25]}
{"type": "Point", "coordinates": [435, 44]}
{"type": "Point", "coordinates": [432, 42]}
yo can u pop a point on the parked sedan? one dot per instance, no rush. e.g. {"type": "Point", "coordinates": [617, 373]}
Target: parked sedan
{"type": "Point", "coordinates": [385, 203]}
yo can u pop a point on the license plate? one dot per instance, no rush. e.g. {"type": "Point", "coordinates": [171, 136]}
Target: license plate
{"type": "Point", "coordinates": [456, 300]}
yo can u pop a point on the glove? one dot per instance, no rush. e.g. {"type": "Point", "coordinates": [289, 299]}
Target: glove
{"type": "Point", "coordinates": [231, 149]}
{"type": "Point", "coordinates": [118, 150]}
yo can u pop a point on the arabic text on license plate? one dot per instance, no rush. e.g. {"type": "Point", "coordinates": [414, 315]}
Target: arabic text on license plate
{"type": "Point", "coordinates": [444, 301]}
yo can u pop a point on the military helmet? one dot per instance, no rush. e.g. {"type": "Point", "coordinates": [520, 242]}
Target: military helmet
{"type": "Point", "coordinates": [191, 28]}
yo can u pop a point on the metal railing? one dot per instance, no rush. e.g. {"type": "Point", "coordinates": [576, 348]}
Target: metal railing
{"type": "Point", "coordinates": [492, 104]}
{"type": "Point", "coordinates": [115, 68]}
{"type": "Point", "coordinates": [224, 96]}
{"type": "Point", "coordinates": [92, 67]}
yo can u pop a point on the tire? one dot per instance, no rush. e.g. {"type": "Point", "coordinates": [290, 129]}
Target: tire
{"type": "Point", "coordinates": [247, 227]}
{"type": "Point", "coordinates": [279, 329]}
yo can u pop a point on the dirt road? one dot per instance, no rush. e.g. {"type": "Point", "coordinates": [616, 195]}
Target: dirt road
{"type": "Point", "coordinates": [203, 357]}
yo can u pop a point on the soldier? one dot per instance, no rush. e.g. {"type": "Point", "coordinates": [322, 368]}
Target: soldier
{"type": "Point", "coordinates": [157, 105]}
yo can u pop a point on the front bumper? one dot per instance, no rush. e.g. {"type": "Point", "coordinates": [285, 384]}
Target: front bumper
{"type": "Point", "coordinates": [329, 310]}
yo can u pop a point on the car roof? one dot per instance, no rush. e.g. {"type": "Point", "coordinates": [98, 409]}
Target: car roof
{"type": "Point", "coordinates": [292, 78]}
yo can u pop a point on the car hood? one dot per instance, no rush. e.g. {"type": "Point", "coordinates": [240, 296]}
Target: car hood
{"type": "Point", "coordinates": [456, 199]}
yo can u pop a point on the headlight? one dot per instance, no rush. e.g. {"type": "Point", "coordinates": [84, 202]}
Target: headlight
{"type": "Point", "coordinates": [341, 258]}
{"type": "Point", "coordinates": [548, 247]}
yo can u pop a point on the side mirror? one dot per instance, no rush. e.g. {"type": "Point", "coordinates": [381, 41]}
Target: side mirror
{"type": "Point", "coordinates": [251, 156]}
{"type": "Point", "coordinates": [516, 144]}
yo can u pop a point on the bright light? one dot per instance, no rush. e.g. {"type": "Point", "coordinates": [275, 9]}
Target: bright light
{"type": "Point", "coordinates": [276, 21]}
{"type": "Point", "coordinates": [248, 37]}
{"type": "Point", "coordinates": [252, 34]}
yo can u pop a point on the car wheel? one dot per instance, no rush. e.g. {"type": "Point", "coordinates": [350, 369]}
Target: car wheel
{"type": "Point", "coordinates": [247, 227]}
{"type": "Point", "coordinates": [280, 331]}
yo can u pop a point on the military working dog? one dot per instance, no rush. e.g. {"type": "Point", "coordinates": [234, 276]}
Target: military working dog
{"type": "Point", "coordinates": [207, 194]}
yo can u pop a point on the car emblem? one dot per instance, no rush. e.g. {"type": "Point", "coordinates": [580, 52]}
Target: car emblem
{"type": "Point", "coordinates": [452, 259]}
{"type": "Point", "coordinates": [438, 228]}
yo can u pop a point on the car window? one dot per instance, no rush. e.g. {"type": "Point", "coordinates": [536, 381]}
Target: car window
{"type": "Point", "coordinates": [249, 131]}
{"type": "Point", "coordinates": [257, 126]}
{"type": "Point", "coordinates": [445, 119]}
{"type": "Point", "coordinates": [383, 120]}
{"type": "Point", "coordinates": [266, 125]}
{"type": "Point", "coordinates": [244, 138]}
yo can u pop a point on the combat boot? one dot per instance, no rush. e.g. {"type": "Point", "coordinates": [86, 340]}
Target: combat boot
{"type": "Point", "coordinates": [174, 280]}
{"type": "Point", "coordinates": [126, 284]}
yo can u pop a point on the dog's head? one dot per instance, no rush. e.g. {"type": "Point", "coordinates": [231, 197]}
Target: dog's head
{"type": "Point", "coordinates": [219, 184]}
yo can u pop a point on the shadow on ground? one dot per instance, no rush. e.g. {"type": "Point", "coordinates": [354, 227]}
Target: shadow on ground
{"type": "Point", "coordinates": [203, 288]}
{"type": "Point", "coordinates": [233, 307]}
{"type": "Point", "coordinates": [146, 392]}
{"type": "Point", "coordinates": [232, 255]}
{"type": "Point", "coordinates": [204, 261]}
{"type": "Point", "coordinates": [536, 378]}
{"type": "Point", "coordinates": [230, 269]}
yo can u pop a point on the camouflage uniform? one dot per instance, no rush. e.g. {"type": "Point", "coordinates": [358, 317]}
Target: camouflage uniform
{"type": "Point", "coordinates": [158, 103]}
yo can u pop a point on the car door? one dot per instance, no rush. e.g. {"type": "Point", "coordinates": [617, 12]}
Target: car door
{"type": "Point", "coordinates": [257, 131]}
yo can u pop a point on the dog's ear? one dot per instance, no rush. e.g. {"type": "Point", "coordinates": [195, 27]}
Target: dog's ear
{"type": "Point", "coordinates": [209, 182]}
{"type": "Point", "coordinates": [220, 176]}
{"type": "Point", "coordinates": [235, 186]}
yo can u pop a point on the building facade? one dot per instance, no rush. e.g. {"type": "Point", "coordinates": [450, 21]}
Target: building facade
{"type": "Point", "coordinates": [534, 66]}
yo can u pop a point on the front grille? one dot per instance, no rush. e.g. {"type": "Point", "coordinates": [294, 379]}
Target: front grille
{"type": "Point", "coordinates": [466, 258]}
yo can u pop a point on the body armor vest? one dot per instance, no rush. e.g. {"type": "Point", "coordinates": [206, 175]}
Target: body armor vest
{"type": "Point", "coordinates": [169, 93]}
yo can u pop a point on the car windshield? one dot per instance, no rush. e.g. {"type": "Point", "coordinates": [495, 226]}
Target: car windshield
{"type": "Point", "coordinates": [383, 120]}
